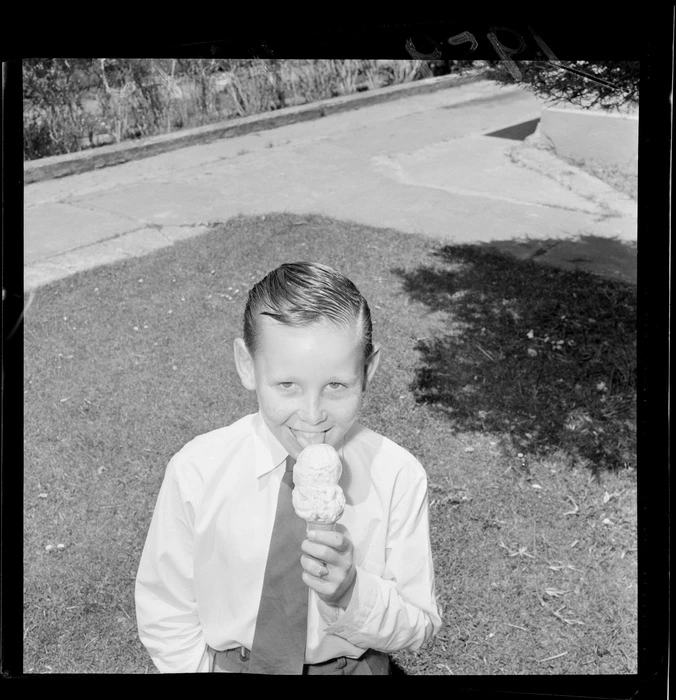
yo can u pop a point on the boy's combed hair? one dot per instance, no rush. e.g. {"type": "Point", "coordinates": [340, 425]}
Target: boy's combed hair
{"type": "Point", "coordinates": [303, 292]}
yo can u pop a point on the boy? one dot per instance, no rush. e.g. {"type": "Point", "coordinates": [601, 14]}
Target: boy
{"type": "Point", "coordinates": [368, 587]}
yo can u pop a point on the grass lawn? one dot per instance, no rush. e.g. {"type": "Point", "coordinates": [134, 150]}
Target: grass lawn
{"type": "Point", "coordinates": [532, 480]}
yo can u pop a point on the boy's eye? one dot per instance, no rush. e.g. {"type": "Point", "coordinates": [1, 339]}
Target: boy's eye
{"type": "Point", "coordinates": [285, 385]}
{"type": "Point", "coordinates": [336, 385]}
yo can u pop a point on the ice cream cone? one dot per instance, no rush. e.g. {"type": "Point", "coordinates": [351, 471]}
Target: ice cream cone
{"type": "Point", "coordinates": [317, 497]}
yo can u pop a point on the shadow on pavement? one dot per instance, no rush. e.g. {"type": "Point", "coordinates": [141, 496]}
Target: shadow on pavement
{"type": "Point", "coordinates": [608, 257]}
{"type": "Point", "coordinates": [544, 356]}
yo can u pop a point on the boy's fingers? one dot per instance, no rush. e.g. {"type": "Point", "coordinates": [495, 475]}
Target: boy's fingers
{"type": "Point", "coordinates": [329, 537]}
{"type": "Point", "coordinates": [313, 566]}
{"type": "Point", "coordinates": [332, 538]}
{"type": "Point", "coordinates": [320, 585]}
{"type": "Point", "coordinates": [323, 552]}
{"type": "Point", "coordinates": [320, 551]}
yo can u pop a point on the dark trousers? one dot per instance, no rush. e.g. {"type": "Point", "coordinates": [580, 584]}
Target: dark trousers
{"type": "Point", "coordinates": [371, 663]}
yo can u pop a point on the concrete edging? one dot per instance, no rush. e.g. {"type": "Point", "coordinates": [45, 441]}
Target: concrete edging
{"type": "Point", "coordinates": [84, 161]}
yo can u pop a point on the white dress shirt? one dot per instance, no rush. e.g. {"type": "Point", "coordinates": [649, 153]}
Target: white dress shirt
{"type": "Point", "coordinates": [201, 572]}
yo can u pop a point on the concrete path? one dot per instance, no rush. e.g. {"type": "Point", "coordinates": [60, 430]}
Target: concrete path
{"type": "Point", "coordinates": [422, 164]}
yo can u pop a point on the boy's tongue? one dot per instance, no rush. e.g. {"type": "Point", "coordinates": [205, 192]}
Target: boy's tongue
{"type": "Point", "coordinates": [309, 438]}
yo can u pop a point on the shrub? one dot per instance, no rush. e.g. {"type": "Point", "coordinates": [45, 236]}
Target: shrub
{"type": "Point", "coordinates": [71, 104]}
{"type": "Point", "coordinates": [606, 85]}
{"type": "Point", "coordinates": [55, 120]}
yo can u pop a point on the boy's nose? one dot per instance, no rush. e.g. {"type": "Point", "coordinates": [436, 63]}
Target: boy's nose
{"type": "Point", "coordinates": [312, 411]}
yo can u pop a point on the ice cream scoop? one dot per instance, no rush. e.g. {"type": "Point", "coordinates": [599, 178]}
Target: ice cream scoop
{"type": "Point", "coordinates": [316, 496]}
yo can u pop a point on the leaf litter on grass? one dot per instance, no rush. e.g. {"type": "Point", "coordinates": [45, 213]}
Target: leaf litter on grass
{"type": "Point", "coordinates": [544, 360]}
{"type": "Point", "coordinates": [510, 564]}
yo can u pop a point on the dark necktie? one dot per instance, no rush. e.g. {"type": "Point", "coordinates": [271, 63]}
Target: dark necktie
{"type": "Point", "coordinates": [279, 638]}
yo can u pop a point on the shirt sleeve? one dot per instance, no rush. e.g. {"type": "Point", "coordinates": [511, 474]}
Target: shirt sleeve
{"type": "Point", "coordinates": [393, 607]}
{"type": "Point", "coordinates": [166, 608]}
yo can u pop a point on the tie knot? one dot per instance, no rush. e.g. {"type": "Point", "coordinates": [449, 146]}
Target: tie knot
{"type": "Point", "coordinates": [290, 461]}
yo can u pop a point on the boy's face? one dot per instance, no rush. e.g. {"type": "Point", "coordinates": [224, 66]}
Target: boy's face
{"type": "Point", "coordinates": [309, 380]}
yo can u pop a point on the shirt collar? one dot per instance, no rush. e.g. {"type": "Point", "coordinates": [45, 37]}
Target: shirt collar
{"type": "Point", "coordinates": [269, 452]}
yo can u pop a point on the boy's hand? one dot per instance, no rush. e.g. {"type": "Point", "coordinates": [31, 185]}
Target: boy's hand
{"type": "Point", "coordinates": [328, 566]}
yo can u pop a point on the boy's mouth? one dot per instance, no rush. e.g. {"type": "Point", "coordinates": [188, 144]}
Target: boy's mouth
{"type": "Point", "coordinates": [304, 438]}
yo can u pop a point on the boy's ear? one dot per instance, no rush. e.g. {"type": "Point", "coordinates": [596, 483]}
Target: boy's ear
{"type": "Point", "coordinates": [245, 365]}
{"type": "Point", "coordinates": [371, 366]}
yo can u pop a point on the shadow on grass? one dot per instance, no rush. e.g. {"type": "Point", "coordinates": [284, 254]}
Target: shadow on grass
{"type": "Point", "coordinates": [544, 356]}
